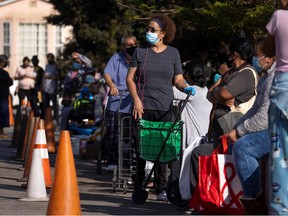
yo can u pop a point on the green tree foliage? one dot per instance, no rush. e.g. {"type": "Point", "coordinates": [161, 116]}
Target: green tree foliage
{"type": "Point", "coordinates": [209, 26]}
{"type": "Point", "coordinates": [97, 26]}
{"type": "Point", "coordinates": [227, 18]}
{"type": "Point", "coordinates": [205, 25]}
{"type": "Point", "coordinates": [201, 25]}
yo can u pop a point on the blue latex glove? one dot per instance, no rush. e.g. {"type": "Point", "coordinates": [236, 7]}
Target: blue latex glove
{"type": "Point", "coordinates": [188, 89]}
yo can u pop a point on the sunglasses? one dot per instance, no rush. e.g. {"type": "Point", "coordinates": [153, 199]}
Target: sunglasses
{"type": "Point", "coordinates": [151, 29]}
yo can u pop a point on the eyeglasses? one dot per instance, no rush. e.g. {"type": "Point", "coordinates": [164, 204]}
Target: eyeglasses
{"type": "Point", "coordinates": [151, 29]}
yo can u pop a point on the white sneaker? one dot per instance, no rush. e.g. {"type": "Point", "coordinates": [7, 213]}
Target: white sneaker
{"type": "Point", "coordinates": [162, 197]}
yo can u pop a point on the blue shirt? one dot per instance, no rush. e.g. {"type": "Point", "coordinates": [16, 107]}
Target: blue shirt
{"type": "Point", "coordinates": [117, 68]}
{"type": "Point", "coordinates": [50, 85]}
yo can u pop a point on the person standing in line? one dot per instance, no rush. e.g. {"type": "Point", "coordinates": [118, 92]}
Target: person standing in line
{"type": "Point", "coordinates": [153, 71]}
{"type": "Point", "coordinates": [250, 137]}
{"type": "Point", "coordinates": [277, 44]}
{"type": "Point", "coordinates": [238, 85]}
{"type": "Point", "coordinates": [26, 85]}
{"type": "Point", "coordinates": [38, 84]}
{"type": "Point", "coordinates": [115, 74]}
{"type": "Point", "coordinates": [49, 91]}
{"type": "Point", "coordinates": [6, 82]}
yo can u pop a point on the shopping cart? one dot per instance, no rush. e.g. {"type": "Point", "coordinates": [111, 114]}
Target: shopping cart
{"type": "Point", "coordinates": [124, 170]}
{"type": "Point", "coordinates": [159, 142]}
{"type": "Point", "coordinates": [123, 174]}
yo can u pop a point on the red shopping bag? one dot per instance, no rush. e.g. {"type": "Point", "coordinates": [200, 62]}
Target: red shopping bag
{"type": "Point", "coordinates": [219, 188]}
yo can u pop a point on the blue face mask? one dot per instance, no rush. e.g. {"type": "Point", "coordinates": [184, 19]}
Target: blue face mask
{"type": "Point", "coordinates": [256, 65]}
{"type": "Point", "coordinates": [76, 66]}
{"type": "Point", "coordinates": [152, 38]}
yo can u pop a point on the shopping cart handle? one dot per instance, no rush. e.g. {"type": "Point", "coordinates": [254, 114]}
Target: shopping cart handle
{"type": "Point", "coordinates": [184, 104]}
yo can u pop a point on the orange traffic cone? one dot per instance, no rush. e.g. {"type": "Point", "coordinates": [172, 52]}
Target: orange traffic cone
{"type": "Point", "coordinates": [64, 197]}
{"type": "Point", "coordinates": [29, 151]}
{"type": "Point", "coordinates": [31, 138]}
{"type": "Point", "coordinates": [40, 143]}
{"type": "Point", "coordinates": [28, 107]}
{"type": "Point", "coordinates": [11, 115]}
{"type": "Point", "coordinates": [28, 134]}
{"type": "Point", "coordinates": [49, 129]}
{"type": "Point", "coordinates": [36, 190]}
{"type": "Point", "coordinates": [18, 124]}
{"type": "Point", "coordinates": [24, 103]}
{"type": "Point", "coordinates": [22, 135]}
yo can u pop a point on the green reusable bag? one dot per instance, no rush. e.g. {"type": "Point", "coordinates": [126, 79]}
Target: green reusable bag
{"type": "Point", "coordinates": [152, 136]}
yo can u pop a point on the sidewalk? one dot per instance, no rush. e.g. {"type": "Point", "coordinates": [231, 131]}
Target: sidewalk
{"type": "Point", "coordinates": [96, 193]}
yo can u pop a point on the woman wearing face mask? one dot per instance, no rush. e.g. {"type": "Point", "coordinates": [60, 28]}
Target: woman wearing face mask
{"type": "Point", "coordinates": [115, 77]}
{"type": "Point", "coordinates": [153, 71]}
{"type": "Point", "coordinates": [74, 78]}
{"type": "Point", "coordinates": [237, 85]}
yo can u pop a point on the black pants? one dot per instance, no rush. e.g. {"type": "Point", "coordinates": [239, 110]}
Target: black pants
{"type": "Point", "coordinates": [201, 150]}
{"type": "Point", "coordinates": [160, 179]}
{"type": "Point", "coordinates": [32, 98]}
{"type": "Point", "coordinates": [46, 101]}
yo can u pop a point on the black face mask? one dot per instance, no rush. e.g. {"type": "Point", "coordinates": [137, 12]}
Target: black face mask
{"type": "Point", "coordinates": [229, 62]}
{"type": "Point", "coordinates": [130, 50]}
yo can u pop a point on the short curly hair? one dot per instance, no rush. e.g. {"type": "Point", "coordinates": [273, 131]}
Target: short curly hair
{"type": "Point", "coordinates": [167, 25]}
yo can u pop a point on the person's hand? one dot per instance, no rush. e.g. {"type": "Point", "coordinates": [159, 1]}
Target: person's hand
{"type": "Point", "coordinates": [230, 102]}
{"type": "Point", "coordinates": [189, 89]}
{"type": "Point", "coordinates": [137, 109]}
{"type": "Point", "coordinates": [114, 91]}
{"type": "Point", "coordinates": [232, 136]}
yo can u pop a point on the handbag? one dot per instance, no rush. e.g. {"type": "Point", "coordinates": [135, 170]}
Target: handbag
{"type": "Point", "coordinates": [228, 120]}
{"type": "Point", "coordinates": [219, 188]}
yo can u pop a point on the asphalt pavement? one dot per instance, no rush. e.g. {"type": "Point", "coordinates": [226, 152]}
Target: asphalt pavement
{"type": "Point", "coordinates": [96, 192]}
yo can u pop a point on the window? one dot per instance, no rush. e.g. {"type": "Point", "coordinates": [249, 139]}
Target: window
{"type": "Point", "coordinates": [58, 40]}
{"type": "Point", "coordinates": [6, 38]}
{"type": "Point", "coordinates": [32, 40]}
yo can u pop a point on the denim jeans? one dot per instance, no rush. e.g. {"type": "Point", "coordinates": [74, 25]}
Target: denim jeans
{"type": "Point", "coordinates": [278, 125]}
{"type": "Point", "coordinates": [247, 152]}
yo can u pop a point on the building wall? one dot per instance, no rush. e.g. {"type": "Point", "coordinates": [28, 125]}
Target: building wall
{"type": "Point", "coordinates": [28, 12]}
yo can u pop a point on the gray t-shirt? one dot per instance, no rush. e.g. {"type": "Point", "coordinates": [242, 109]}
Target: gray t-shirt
{"type": "Point", "coordinates": [240, 85]}
{"type": "Point", "coordinates": [154, 76]}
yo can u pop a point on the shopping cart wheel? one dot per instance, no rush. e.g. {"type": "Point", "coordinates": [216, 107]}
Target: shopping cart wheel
{"type": "Point", "coordinates": [173, 192]}
{"type": "Point", "coordinates": [139, 196]}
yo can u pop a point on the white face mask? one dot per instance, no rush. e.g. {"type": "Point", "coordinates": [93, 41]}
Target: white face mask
{"type": "Point", "coordinates": [152, 38]}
